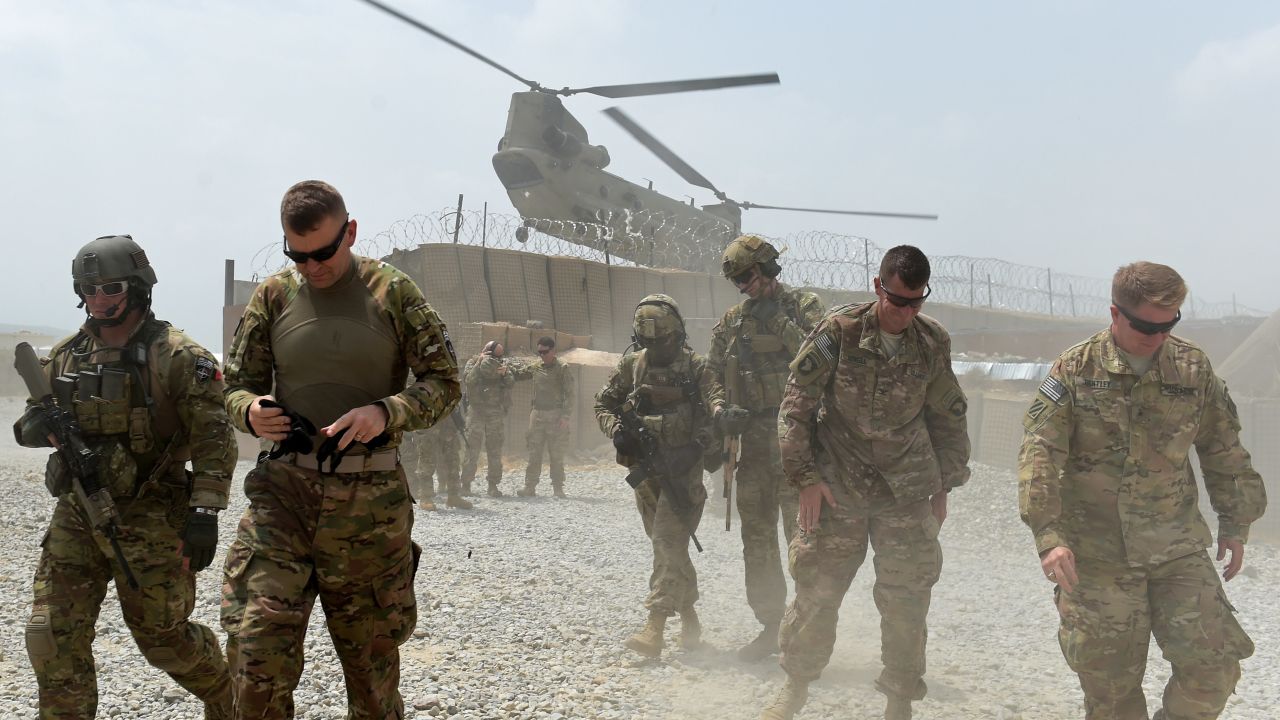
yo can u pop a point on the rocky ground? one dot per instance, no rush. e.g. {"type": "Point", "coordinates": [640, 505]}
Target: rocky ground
{"type": "Point", "coordinates": [525, 603]}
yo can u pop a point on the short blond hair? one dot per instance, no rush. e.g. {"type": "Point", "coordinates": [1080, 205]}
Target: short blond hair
{"type": "Point", "coordinates": [1159, 285]}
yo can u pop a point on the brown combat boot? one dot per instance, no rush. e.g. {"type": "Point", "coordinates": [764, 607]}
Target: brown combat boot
{"type": "Point", "coordinates": [427, 503]}
{"type": "Point", "coordinates": [454, 500]}
{"type": "Point", "coordinates": [897, 708]}
{"type": "Point", "coordinates": [764, 645]}
{"type": "Point", "coordinates": [529, 490]}
{"type": "Point", "coordinates": [790, 699]}
{"type": "Point", "coordinates": [648, 642]}
{"type": "Point", "coordinates": [494, 491]}
{"type": "Point", "coordinates": [559, 491]}
{"type": "Point", "coordinates": [690, 629]}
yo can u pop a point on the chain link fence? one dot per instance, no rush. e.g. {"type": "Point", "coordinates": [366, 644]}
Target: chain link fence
{"type": "Point", "coordinates": [812, 259]}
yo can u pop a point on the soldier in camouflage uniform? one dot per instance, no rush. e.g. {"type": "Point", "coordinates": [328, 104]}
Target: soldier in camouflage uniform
{"type": "Point", "coordinates": [751, 347]}
{"type": "Point", "coordinates": [333, 338]}
{"type": "Point", "coordinates": [488, 379]}
{"type": "Point", "coordinates": [873, 426]}
{"type": "Point", "coordinates": [549, 418]}
{"type": "Point", "coordinates": [1107, 488]}
{"type": "Point", "coordinates": [678, 398]}
{"type": "Point", "coordinates": [431, 452]}
{"type": "Point", "coordinates": [157, 405]}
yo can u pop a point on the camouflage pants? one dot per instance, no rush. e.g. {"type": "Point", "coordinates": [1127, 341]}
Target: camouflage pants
{"type": "Point", "coordinates": [545, 432]}
{"type": "Point", "coordinates": [1107, 623]}
{"type": "Point", "coordinates": [344, 537]}
{"type": "Point", "coordinates": [71, 583]}
{"type": "Point", "coordinates": [673, 584]}
{"type": "Point", "coordinates": [432, 452]}
{"type": "Point", "coordinates": [908, 561]}
{"type": "Point", "coordinates": [484, 429]}
{"type": "Point", "coordinates": [762, 492]}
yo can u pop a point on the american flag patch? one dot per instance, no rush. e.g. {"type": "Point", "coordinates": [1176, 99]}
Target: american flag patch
{"type": "Point", "coordinates": [826, 346]}
{"type": "Point", "coordinates": [1053, 389]}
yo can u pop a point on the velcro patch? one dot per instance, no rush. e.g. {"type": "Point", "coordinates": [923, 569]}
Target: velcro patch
{"type": "Point", "coordinates": [206, 369]}
{"type": "Point", "coordinates": [1053, 389]}
{"type": "Point", "coordinates": [1176, 390]}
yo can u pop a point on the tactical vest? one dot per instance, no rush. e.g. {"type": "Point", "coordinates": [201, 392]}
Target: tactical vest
{"type": "Point", "coordinates": [762, 361]}
{"type": "Point", "coordinates": [668, 399]}
{"type": "Point", "coordinates": [334, 350]}
{"type": "Point", "coordinates": [122, 407]}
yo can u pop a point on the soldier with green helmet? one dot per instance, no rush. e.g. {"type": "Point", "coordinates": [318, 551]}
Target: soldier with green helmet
{"type": "Point", "coordinates": [1106, 486]}
{"type": "Point", "coordinates": [677, 399]}
{"type": "Point", "coordinates": [148, 400]}
{"type": "Point", "coordinates": [319, 367]}
{"type": "Point", "coordinates": [751, 348]}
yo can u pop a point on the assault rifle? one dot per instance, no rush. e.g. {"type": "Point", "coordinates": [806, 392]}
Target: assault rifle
{"type": "Point", "coordinates": [81, 461]}
{"type": "Point", "coordinates": [652, 463]}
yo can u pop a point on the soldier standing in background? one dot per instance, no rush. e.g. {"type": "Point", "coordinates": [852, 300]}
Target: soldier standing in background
{"type": "Point", "coordinates": [1106, 486]}
{"type": "Point", "coordinates": [436, 451]}
{"type": "Point", "coordinates": [872, 426]}
{"type": "Point", "coordinates": [334, 338]}
{"type": "Point", "coordinates": [156, 404]}
{"type": "Point", "coordinates": [677, 398]}
{"type": "Point", "coordinates": [488, 379]}
{"type": "Point", "coordinates": [751, 348]}
{"type": "Point", "coordinates": [549, 418]}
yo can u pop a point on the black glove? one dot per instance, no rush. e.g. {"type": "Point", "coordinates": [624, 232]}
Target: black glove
{"type": "Point", "coordinates": [200, 539]}
{"type": "Point", "coordinates": [300, 432]}
{"type": "Point", "coordinates": [624, 443]}
{"type": "Point", "coordinates": [763, 309]}
{"type": "Point", "coordinates": [328, 449]}
{"type": "Point", "coordinates": [733, 419]}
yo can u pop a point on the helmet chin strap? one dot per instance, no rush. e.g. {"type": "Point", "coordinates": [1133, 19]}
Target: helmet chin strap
{"type": "Point", "coordinates": [114, 320]}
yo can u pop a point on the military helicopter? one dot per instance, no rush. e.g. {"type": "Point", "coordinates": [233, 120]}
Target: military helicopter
{"type": "Point", "coordinates": [556, 178]}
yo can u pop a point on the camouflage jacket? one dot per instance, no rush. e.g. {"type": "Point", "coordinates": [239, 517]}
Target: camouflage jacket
{"type": "Point", "coordinates": [396, 313]}
{"type": "Point", "coordinates": [1103, 468]}
{"type": "Point", "coordinates": [488, 388]}
{"type": "Point", "coordinates": [757, 354]}
{"type": "Point", "coordinates": [867, 418]}
{"type": "Point", "coordinates": [676, 401]}
{"type": "Point", "coordinates": [553, 388]}
{"type": "Point", "coordinates": [171, 403]}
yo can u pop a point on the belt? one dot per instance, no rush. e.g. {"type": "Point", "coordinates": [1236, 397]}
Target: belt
{"type": "Point", "coordinates": [379, 461]}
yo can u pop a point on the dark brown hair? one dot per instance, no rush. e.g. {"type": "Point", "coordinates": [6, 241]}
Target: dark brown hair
{"type": "Point", "coordinates": [308, 203]}
{"type": "Point", "coordinates": [908, 263]}
{"type": "Point", "coordinates": [547, 341]}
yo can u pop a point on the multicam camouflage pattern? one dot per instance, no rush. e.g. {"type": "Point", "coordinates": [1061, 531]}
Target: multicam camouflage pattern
{"type": "Point", "coordinates": [1104, 471]}
{"type": "Point", "coordinates": [351, 547]}
{"type": "Point", "coordinates": [488, 401]}
{"type": "Point", "coordinates": [762, 492]}
{"type": "Point", "coordinates": [890, 433]}
{"type": "Point", "coordinates": [344, 537]}
{"type": "Point", "coordinates": [1104, 468]}
{"type": "Point", "coordinates": [907, 561]}
{"type": "Point", "coordinates": [673, 584]}
{"type": "Point", "coordinates": [434, 452]}
{"type": "Point", "coordinates": [391, 306]}
{"type": "Point", "coordinates": [1110, 615]}
{"type": "Point", "coordinates": [153, 492]}
{"type": "Point", "coordinates": [548, 421]}
{"type": "Point", "coordinates": [904, 417]}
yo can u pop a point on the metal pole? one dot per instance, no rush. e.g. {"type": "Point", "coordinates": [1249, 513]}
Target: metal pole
{"type": "Point", "coordinates": [989, 304]}
{"type": "Point", "coordinates": [457, 225]}
{"type": "Point", "coordinates": [229, 282]}
{"type": "Point", "coordinates": [484, 224]}
{"type": "Point", "coordinates": [1049, 274]}
{"type": "Point", "coordinates": [1072, 292]}
{"type": "Point", "coordinates": [1233, 305]}
{"type": "Point", "coordinates": [970, 284]}
{"type": "Point", "coordinates": [866, 262]}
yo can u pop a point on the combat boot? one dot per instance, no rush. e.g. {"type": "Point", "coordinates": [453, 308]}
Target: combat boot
{"type": "Point", "coordinates": [790, 699]}
{"type": "Point", "coordinates": [764, 645]}
{"type": "Point", "coordinates": [454, 500]}
{"type": "Point", "coordinates": [466, 489]}
{"type": "Point", "coordinates": [559, 491]}
{"type": "Point", "coordinates": [690, 629]}
{"type": "Point", "coordinates": [897, 708]}
{"type": "Point", "coordinates": [494, 491]}
{"type": "Point", "coordinates": [529, 490]}
{"type": "Point", "coordinates": [648, 642]}
{"type": "Point", "coordinates": [426, 504]}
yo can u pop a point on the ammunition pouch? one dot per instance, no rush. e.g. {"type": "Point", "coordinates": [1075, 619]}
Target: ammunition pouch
{"type": "Point", "coordinates": [57, 476]}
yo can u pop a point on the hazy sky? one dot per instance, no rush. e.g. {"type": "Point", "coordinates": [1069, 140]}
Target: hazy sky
{"type": "Point", "coordinates": [1079, 135]}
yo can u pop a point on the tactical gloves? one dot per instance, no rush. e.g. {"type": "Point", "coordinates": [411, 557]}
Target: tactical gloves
{"type": "Point", "coordinates": [200, 539]}
{"type": "Point", "coordinates": [733, 419]}
{"type": "Point", "coordinates": [625, 444]}
{"type": "Point", "coordinates": [300, 432]}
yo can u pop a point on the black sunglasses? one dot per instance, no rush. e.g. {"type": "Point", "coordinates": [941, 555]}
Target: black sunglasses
{"type": "Point", "coordinates": [543, 352]}
{"type": "Point", "coordinates": [902, 300]}
{"type": "Point", "coordinates": [320, 255]}
{"type": "Point", "coordinates": [1146, 327]}
{"type": "Point", "coordinates": [745, 277]}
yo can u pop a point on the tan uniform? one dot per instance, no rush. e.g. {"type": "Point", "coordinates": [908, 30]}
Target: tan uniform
{"type": "Point", "coordinates": [548, 421]}
{"type": "Point", "coordinates": [885, 435]}
{"type": "Point", "coordinates": [488, 402]}
{"type": "Point", "coordinates": [1104, 472]}
{"type": "Point", "coordinates": [751, 359]}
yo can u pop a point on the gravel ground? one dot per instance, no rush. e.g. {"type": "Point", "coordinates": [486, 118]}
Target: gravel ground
{"type": "Point", "coordinates": [524, 604]}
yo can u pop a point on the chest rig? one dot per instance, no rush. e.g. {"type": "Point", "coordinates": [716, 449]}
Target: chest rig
{"type": "Point", "coordinates": [762, 360]}
{"type": "Point", "coordinates": [668, 399]}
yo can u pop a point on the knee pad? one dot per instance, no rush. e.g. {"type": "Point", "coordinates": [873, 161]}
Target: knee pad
{"type": "Point", "coordinates": [41, 647]}
{"type": "Point", "coordinates": [164, 658]}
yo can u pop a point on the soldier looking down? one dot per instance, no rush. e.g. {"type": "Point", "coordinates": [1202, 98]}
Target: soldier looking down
{"type": "Point", "coordinates": [148, 401]}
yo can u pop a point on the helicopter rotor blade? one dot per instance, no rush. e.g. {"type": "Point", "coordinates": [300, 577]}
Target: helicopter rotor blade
{"type": "Point", "coordinates": [445, 38]}
{"type": "Point", "coordinates": [672, 86]}
{"type": "Point", "coordinates": [673, 161]}
{"type": "Point", "coordinates": [908, 216]}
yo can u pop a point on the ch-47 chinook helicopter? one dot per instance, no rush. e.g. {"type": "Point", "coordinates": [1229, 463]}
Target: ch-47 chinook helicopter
{"type": "Point", "coordinates": [557, 182]}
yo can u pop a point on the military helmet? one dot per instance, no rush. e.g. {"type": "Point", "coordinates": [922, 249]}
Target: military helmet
{"type": "Point", "coordinates": [745, 252]}
{"type": "Point", "coordinates": [113, 257]}
{"type": "Point", "coordinates": [658, 317]}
